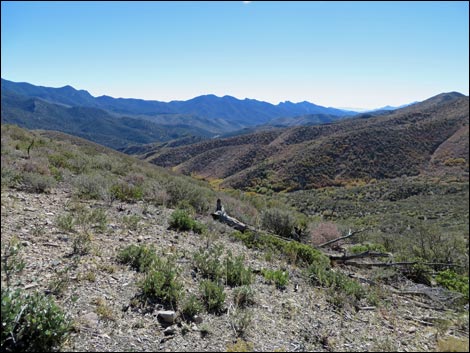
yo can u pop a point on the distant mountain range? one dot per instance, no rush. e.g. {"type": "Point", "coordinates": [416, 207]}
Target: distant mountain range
{"type": "Point", "coordinates": [208, 112]}
{"type": "Point", "coordinates": [94, 124]}
{"type": "Point", "coordinates": [260, 146]}
{"type": "Point", "coordinates": [428, 137]}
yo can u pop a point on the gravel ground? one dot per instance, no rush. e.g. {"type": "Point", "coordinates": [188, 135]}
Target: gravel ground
{"type": "Point", "coordinates": [298, 318]}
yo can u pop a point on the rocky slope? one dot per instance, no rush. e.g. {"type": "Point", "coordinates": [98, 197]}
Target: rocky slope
{"type": "Point", "coordinates": [73, 206]}
{"type": "Point", "coordinates": [286, 320]}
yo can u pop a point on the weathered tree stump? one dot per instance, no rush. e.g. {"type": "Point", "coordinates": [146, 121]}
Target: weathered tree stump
{"type": "Point", "coordinates": [223, 217]}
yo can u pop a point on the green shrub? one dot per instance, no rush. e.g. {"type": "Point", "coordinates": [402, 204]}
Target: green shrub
{"type": "Point", "coordinates": [66, 222]}
{"type": "Point", "coordinates": [350, 287]}
{"type": "Point", "coordinates": [155, 192]}
{"type": "Point", "coordinates": [419, 273]}
{"type": "Point", "coordinates": [127, 192]}
{"type": "Point", "coordinates": [98, 218]}
{"type": "Point", "coordinates": [454, 282]}
{"type": "Point", "coordinates": [79, 164]}
{"type": "Point", "coordinates": [213, 295]}
{"type": "Point", "coordinates": [56, 173]}
{"type": "Point", "coordinates": [338, 282]}
{"type": "Point", "coordinates": [94, 186]}
{"type": "Point", "coordinates": [181, 189]}
{"type": "Point", "coordinates": [240, 320]}
{"type": "Point", "coordinates": [243, 296]}
{"type": "Point", "coordinates": [235, 273]}
{"type": "Point", "coordinates": [280, 278]}
{"type": "Point", "coordinates": [36, 183]}
{"type": "Point", "coordinates": [161, 283]}
{"type": "Point", "coordinates": [207, 262]}
{"type": "Point", "coordinates": [34, 166]}
{"type": "Point", "coordinates": [192, 306]}
{"type": "Point", "coordinates": [10, 176]}
{"type": "Point", "coordinates": [278, 221]}
{"type": "Point", "coordinates": [320, 275]}
{"type": "Point", "coordinates": [140, 258]}
{"type": "Point", "coordinates": [59, 160]}
{"type": "Point", "coordinates": [60, 282]}
{"type": "Point", "coordinates": [31, 322]}
{"type": "Point", "coordinates": [181, 220]}
{"type": "Point", "coordinates": [303, 253]}
{"type": "Point", "coordinates": [83, 217]}
{"type": "Point", "coordinates": [299, 253]}
{"type": "Point", "coordinates": [82, 243]}
{"type": "Point", "coordinates": [12, 263]}
{"type": "Point", "coordinates": [131, 222]}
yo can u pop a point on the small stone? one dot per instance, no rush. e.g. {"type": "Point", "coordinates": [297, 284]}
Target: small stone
{"type": "Point", "coordinates": [170, 330]}
{"type": "Point", "coordinates": [168, 316]}
{"type": "Point", "coordinates": [412, 329]}
{"type": "Point", "coordinates": [25, 243]}
{"type": "Point", "coordinates": [90, 320]}
{"type": "Point", "coordinates": [197, 319]}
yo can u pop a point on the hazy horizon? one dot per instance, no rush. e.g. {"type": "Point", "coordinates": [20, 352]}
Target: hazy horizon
{"type": "Point", "coordinates": [364, 55]}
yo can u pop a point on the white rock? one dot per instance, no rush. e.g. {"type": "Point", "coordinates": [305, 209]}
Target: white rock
{"type": "Point", "coordinates": [90, 320]}
{"type": "Point", "coordinates": [170, 330]}
{"type": "Point", "coordinates": [168, 316]}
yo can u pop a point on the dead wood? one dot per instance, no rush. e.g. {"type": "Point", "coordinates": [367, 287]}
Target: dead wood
{"type": "Point", "coordinates": [391, 264]}
{"type": "Point", "coordinates": [367, 253]}
{"type": "Point", "coordinates": [223, 217]}
{"type": "Point", "coordinates": [350, 234]}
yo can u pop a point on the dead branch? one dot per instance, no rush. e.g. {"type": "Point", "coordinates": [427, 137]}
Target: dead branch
{"type": "Point", "coordinates": [422, 322]}
{"type": "Point", "coordinates": [350, 234]}
{"type": "Point", "coordinates": [391, 264]}
{"type": "Point", "coordinates": [367, 253]}
{"type": "Point", "coordinates": [223, 217]}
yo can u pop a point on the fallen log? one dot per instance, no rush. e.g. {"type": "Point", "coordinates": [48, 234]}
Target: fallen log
{"type": "Point", "coordinates": [367, 253]}
{"type": "Point", "coordinates": [390, 264]}
{"type": "Point", "coordinates": [350, 234]}
{"type": "Point", "coordinates": [223, 217]}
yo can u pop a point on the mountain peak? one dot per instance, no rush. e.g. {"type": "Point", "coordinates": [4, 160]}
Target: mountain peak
{"type": "Point", "coordinates": [68, 87]}
{"type": "Point", "coordinates": [449, 95]}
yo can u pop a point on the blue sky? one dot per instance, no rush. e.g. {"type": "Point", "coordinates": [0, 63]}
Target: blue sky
{"type": "Point", "coordinates": [341, 54]}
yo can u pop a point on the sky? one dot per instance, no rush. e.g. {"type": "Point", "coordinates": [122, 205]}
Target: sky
{"type": "Point", "coordinates": [337, 54]}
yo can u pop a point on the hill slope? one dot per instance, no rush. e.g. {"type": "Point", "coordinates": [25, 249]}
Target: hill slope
{"type": "Point", "coordinates": [385, 146]}
{"type": "Point", "coordinates": [73, 206]}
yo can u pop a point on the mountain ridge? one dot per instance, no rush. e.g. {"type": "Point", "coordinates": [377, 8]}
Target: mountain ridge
{"type": "Point", "coordinates": [248, 112]}
{"type": "Point", "coordinates": [381, 146]}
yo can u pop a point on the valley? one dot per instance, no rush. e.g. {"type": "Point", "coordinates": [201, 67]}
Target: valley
{"type": "Point", "coordinates": [114, 238]}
